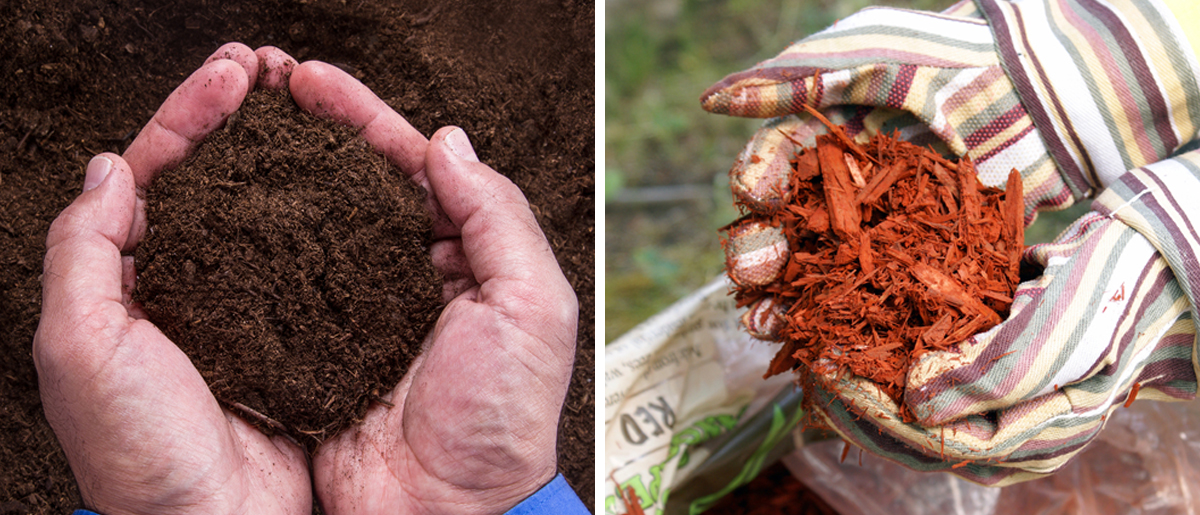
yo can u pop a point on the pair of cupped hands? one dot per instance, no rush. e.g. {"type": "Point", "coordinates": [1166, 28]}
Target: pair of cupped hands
{"type": "Point", "coordinates": [474, 422]}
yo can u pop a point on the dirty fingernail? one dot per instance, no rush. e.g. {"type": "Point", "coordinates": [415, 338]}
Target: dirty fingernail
{"type": "Point", "coordinates": [97, 170]}
{"type": "Point", "coordinates": [461, 146]}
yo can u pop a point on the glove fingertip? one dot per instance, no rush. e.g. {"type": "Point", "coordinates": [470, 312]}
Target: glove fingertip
{"type": "Point", "coordinates": [720, 98]}
{"type": "Point", "coordinates": [759, 177]}
{"type": "Point", "coordinates": [714, 99]}
{"type": "Point", "coordinates": [745, 95]}
{"type": "Point", "coordinates": [756, 253]}
{"type": "Point", "coordinates": [764, 319]}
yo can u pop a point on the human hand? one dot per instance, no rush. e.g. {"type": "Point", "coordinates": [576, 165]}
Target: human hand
{"type": "Point", "coordinates": [473, 424]}
{"type": "Point", "coordinates": [758, 253]}
{"type": "Point", "coordinates": [140, 428]}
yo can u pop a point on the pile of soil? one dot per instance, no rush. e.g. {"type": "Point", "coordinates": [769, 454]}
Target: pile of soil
{"type": "Point", "coordinates": [82, 77]}
{"type": "Point", "coordinates": [892, 251]}
{"type": "Point", "coordinates": [291, 264]}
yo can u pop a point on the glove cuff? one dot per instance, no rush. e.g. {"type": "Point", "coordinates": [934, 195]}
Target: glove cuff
{"type": "Point", "coordinates": [1130, 56]}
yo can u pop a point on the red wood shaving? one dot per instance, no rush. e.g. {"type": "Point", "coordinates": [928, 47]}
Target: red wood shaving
{"type": "Point", "coordinates": [633, 504]}
{"type": "Point", "coordinates": [895, 251]}
{"type": "Point", "coordinates": [1132, 394]}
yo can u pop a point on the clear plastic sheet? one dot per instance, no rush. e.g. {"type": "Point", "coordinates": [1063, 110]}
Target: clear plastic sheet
{"type": "Point", "coordinates": [1145, 462]}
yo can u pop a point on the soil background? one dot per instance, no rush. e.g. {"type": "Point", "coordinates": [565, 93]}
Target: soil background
{"type": "Point", "coordinates": [82, 77]}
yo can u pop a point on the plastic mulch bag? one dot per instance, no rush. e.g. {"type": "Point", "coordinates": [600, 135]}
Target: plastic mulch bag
{"type": "Point", "coordinates": [684, 378]}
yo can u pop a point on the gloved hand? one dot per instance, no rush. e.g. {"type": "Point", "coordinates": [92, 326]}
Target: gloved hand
{"type": "Point", "coordinates": [979, 404]}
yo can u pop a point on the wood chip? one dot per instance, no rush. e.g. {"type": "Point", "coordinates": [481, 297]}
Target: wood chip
{"type": "Point", "coordinates": [844, 214]}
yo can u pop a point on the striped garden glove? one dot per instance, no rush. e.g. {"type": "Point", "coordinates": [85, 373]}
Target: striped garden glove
{"type": "Point", "coordinates": [1071, 114]}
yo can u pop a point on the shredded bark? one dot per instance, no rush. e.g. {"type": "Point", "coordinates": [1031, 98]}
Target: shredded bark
{"type": "Point", "coordinates": [894, 251]}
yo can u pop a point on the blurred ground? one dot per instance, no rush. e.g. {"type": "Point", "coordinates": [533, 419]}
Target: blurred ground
{"type": "Point", "coordinates": [665, 184]}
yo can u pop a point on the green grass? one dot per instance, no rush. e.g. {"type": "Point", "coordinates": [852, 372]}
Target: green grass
{"type": "Point", "coordinates": [660, 55]}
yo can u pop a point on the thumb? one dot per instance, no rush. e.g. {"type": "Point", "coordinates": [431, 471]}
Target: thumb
{"type": "Point", "coordinates": [880, 57]}
{"type": "Point", "coordinates": [104, 209]}
{"type": "Point", "coordinates": [82, 280]}
{"type": "Point", "coordinates": [502, 244]}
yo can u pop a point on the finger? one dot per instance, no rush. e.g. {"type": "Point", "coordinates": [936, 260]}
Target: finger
{"type": "Point", "coordinates": [195, 108]}
{"type": "Point", "coordinates": [448, 257]}
{"type": "Point", "coordinates": [504, 247]}
{"type": "Point", "coordinates": [326, 91]}
{"type": "Point", "coordinates": [760, 176]}
{"type": "Point", "coordinates": [84, 271]}
{"type": "Point", "coordinates": [240, 54]}
{"type": "Point", "coordinates": [274, 68]}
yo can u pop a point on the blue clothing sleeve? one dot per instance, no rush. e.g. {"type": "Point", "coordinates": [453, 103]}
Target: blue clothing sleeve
{"type": "Point", "coordinates": [554, 498]}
